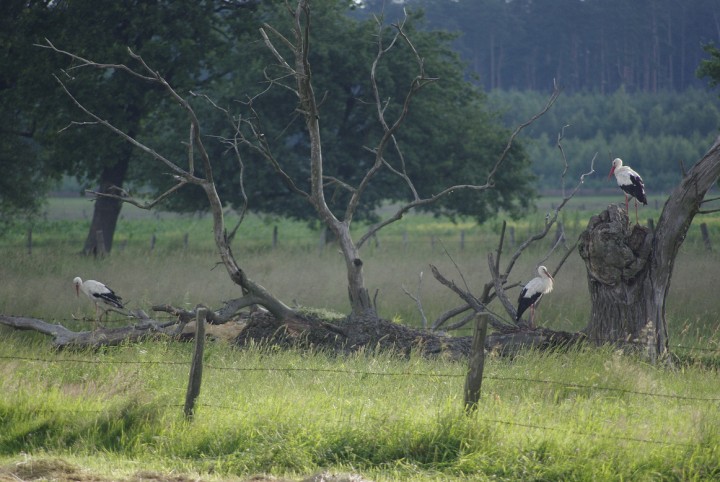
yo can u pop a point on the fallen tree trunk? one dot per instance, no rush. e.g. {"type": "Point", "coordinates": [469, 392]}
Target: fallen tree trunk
{"type": "Point", "coordinates": [65, 338]}
{"type": "Point", "coordinates": [305, 331]}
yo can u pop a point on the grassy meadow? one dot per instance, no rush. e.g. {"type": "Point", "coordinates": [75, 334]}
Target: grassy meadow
{"type": "Point", "coordinates": [116, 414]}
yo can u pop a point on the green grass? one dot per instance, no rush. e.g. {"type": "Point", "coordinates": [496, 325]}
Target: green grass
{"type": "Point", "coordinates": [592, 414]}
{"type": "Point", "coordinates": [586, 415]}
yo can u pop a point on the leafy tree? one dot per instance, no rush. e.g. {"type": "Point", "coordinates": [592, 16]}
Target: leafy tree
{"type": "Point", "coordinates": [197, 168]}
{"type": "Point", "coordinates": [710, 67]}
{"type": "Point", "coordinates": [23, 182]}
{"type": "Point", "coordinates": [450, 137]}
{"type": "Point", "coordinates": [182, 39]}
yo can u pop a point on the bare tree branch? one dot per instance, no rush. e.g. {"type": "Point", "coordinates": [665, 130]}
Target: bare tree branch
{"type": "Point", "coordinates": [418, 299]}
{"type": "Point", "coordinates": [451, 313]}
{"type": "Point", "coordinates": [82, 62]}
{"type": "Point", "coordinates": [124, 196]}
{"type": "Point", "coordinates": [499, 291]}
{"type": "Point", "coordinates": [553, 97]}
{"type": "Point", "coordinates": [479, 307]}
{"type": "Point", "coordinates": [177, 170]}
{"type": "Point", "coordinates": [550, 221]}
{"type": "Point", "coordinates": [496, 287]}
{"type": "Point", "coordinates": [237, 275]}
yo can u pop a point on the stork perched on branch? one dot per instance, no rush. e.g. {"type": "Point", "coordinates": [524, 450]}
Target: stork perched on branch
{"type": "Point", "coordinates": [99, 294]}
{"type": "Point", "coordinates": [532, 292]}
{"type": "Point", "coordinates": [630, 182]}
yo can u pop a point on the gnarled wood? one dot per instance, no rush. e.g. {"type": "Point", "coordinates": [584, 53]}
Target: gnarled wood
{"type": "Point", "coordinates": [629, 268]}
{"type": "Point", "coordinates": [64, 338]}
{"type": "Point", "coordinates": [617, 261]}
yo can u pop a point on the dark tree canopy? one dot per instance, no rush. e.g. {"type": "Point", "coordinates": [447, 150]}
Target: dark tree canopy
{"type": "Point", "coordinates": [710, 67]}
{"type": "Point", "coordinates": [180, 38]}
{"type": "Point", "coordinates": [449, 138]}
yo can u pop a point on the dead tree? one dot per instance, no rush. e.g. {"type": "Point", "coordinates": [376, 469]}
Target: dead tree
{"type": "Point", "coordinates": [297, 68]}
{"type": "Point", "coordinates": [629, 268]}
{"type": "Point", "coordinates": [202, 176]}
{"type": "Point", "coordinates": [509, 332]}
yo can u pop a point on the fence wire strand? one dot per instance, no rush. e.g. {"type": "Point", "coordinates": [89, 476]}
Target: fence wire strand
{"type": "Point", "coordinates": [339, 371]}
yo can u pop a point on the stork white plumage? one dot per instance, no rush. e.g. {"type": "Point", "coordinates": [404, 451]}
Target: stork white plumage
{"type": "Point", "coordinates": [631, 183]}
{"type": "Point", "coordinates": [533, 291]}
{"type": "Point", "coordinates": [99, 294]}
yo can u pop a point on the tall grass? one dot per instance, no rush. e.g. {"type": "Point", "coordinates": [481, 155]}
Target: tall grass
{"type": "Point", "coordinates": [591, 414]}
{"type": "Point", "coordinates": [301, 270]}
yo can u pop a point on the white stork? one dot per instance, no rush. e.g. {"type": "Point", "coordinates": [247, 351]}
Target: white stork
{"type": "Point", "coordinates": [630, 182]}
{"type": "Point", "coordinates": [532, 292]}
{"type": "Point", "coordinates": [98, 293]}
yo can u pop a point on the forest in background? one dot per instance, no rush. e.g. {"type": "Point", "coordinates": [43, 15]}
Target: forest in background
{"type": "Point", "coordinates": [585, 45]}
{"type": "Point", "coordinates": [627, 72]}
{"type": "Point", "coordinates": [656, 133]}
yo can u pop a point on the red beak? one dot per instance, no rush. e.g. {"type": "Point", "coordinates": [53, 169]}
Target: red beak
{"type": "Point", "coordinates": [611, 172]}
{"type": "Point", "coordinates": [77, 290]}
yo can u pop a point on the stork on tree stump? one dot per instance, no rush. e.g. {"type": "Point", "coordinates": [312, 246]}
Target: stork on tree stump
{"type": "Point", "coordinates": [616, 258]}
{"type": "Point", "coordinates": [629, 269]}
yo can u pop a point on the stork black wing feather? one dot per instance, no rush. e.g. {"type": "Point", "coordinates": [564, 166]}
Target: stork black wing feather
{"type": "Point", "coordinates": [110, 298]}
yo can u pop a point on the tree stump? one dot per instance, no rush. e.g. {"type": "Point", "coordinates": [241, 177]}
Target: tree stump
{"type": "Point", "coordinates": [617, 258]}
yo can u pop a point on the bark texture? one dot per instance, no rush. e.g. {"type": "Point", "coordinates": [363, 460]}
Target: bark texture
{"type": "Point", "coordinates": [617, 260]}
{"type": "Point", "coordinates": [107, 210]}
{"type": "Point", "coordinates": [629, 269]}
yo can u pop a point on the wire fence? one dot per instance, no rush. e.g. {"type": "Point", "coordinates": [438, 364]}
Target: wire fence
{"type": "Point", "coordinates": [560, 384]}
{"type": "Point", "coordinates": [339, 371]}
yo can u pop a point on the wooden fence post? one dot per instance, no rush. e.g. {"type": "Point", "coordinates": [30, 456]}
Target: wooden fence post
{"type": "Point", "coordinates": [193, 389]}
{"type": "Point", "coordinates": [152, 242]}
{"type": "Point", "coordinates": [706, 236]}
{"type": "Point", "coordinates": [473, 381]}
{"type": "Point", "coordinates": [186, 241]}
{"type": "Point", "coordinates": [275, 237]}
{"type": "Point", "coordinates": [29, 240]}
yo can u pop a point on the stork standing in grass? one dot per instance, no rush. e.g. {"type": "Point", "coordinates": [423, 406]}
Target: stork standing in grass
{"type": "Point", "coordinates": [630, 182]}
{"type": "Point", "coordinates": [532, 292]}
{"type": "Point", "coordinates": [99, 294]}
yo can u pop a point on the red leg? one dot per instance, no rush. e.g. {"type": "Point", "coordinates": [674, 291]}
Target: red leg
{"type": "Point", "coordinates": [627, 208]}
{"type": "Point", "coordinates": [532, 315]}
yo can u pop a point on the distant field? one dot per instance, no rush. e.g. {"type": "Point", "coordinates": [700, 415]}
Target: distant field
{"type": "Point", "coordinates": [181, 266]}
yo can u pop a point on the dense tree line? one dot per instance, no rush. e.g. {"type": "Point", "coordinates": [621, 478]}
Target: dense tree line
{"type": "Point", "coordinates": [657, 133]}
{"type": "Point", "coordinates": [586, 45]}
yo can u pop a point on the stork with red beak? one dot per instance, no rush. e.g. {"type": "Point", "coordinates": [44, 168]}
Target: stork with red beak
{"type": "Point", "coordinates": [99, 294]}
{"type": "Point", "coordinates": [630, 182]}
{"type": "Point", "coordinates": [532, 292]}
